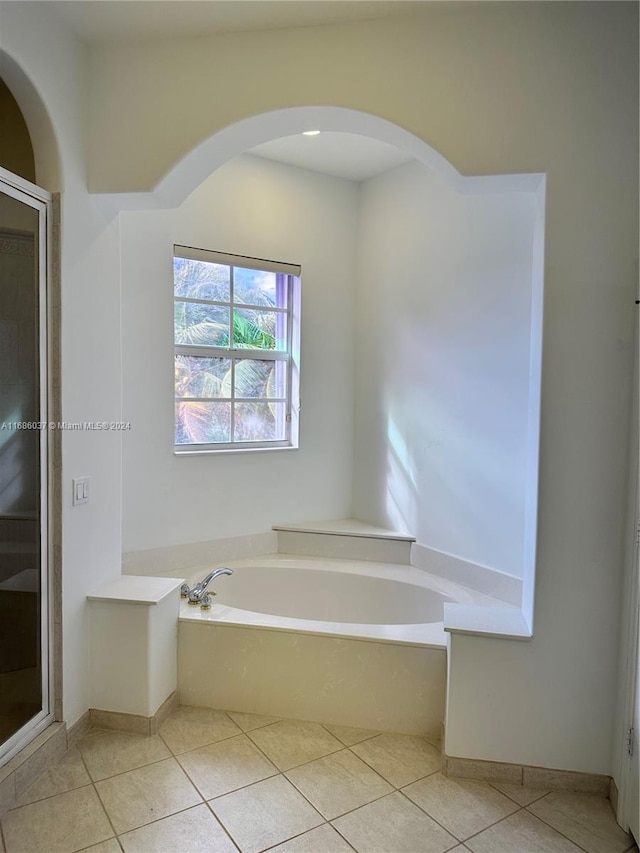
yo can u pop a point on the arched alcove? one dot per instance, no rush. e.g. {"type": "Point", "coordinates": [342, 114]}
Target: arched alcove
{"type": "Point", "coordinates": [189, 209]}
{"type": "Point", "coordinates": [243, 135]}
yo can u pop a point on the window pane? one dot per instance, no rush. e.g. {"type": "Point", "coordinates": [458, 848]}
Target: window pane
{"type": "Point", "coordinates": [260, 378]}
{"type": "Point", "coordinates": [255, 329]}
{"type": "Point", "coordinates": [255, 287]}
{"type": "Point", "coordinates": [202, 377]}
{"type": "Point", "coordinates": [259, 421]}
{"type": "Point", "coordinates": [201, 325]}
{"type": "Point", "coordinates": [201, 280]}
{"type": "Point", "coordinates": [203, 423]}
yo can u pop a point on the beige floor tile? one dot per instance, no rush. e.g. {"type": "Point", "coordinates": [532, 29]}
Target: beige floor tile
{"type": "Point", "coordinates": [147, 794]}
{"type": "Point", "coordinates": [109, 753]}
{"type": "Point", "coordinates": [393, 824]}
{"type": "Point", "coordinates": [110, 846]}
{"type": "Point", "coordinates": [586, 819]}
{"type": "Point", "coordinates": [265, 814]}
{"type": "Point", "coordinates": [190, 728]}
{"type": "Point", "coordinates": [401, 759]}
{"type": "Point", "coordinates": [520, 794]}
{"type": "Point", "coordinates": [323, 839]}
{"type": "Point", "coordinates": [290, 743]}
{"type": "Point", "coordinates": [338, 783]}
{"type": "Point", "coordinates": [349, 735]}
{"type": "Point", "coordinates": [59, 824]}
{"type": "Point", "coordinates": [521, 833]}
{"type": "Point", "coordinates": [225, 766]}
{"type": "Point", "coordinates": [195, 830]}
{"type": "Point", "coordinates": [69, 773]}
{"type": "Point", "coordinates": [249, 722]}
{"type": "Point", "coordinates": [463, 807]}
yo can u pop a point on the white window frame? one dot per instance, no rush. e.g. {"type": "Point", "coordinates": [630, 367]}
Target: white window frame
{"type": "Point", "coordinates": [290, 355]}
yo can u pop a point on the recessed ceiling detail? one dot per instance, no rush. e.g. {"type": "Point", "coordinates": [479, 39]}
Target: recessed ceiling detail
{"type": "Point", "coordinates": [343, 155]}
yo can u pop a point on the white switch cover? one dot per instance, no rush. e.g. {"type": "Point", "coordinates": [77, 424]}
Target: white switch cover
{"type": "Point", "coordinates": [80, 490]}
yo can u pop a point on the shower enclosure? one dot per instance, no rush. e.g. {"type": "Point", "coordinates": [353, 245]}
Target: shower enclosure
{"type": "Point", "coordinates": [25, 701]}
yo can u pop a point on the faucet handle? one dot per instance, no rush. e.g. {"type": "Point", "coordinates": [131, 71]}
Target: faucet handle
{"type": "Point", "coordinates": [184, 590]}
{"type": "Point", "coordinates": [205, 604]}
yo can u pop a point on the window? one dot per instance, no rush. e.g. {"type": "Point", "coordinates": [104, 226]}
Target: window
{"type": "Point", "coordinates": [236, 332]}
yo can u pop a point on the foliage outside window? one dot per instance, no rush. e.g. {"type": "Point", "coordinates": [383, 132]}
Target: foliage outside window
{"type": "Point", "coordinates": [236, 335]}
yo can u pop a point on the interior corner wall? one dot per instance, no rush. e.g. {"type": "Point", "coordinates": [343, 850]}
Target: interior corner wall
{"type": "Point", "coordinates": [50, 68]}
{"type": "Point", "coordinates": [443, 350]}
{"type": "Point", "coordinates": [250, 206]}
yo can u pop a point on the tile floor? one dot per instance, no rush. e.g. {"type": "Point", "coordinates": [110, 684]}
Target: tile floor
{"type": "Point", "coordinates": [225, 782]}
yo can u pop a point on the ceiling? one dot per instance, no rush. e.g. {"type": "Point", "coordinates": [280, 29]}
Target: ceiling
{"type": "Point", "coordinates": [343, 155]}
{"type": "Point", "coordinates": [98, 21]}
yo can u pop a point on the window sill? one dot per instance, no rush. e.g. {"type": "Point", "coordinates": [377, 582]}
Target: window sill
{"type": "Point", "coordinates": [231, 450]}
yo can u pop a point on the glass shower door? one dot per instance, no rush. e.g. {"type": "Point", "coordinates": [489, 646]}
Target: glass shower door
{"type": "Point", "coordinates": [24, 631]}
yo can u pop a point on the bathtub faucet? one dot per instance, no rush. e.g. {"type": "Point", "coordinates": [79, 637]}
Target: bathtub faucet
{"type": "Point", "coordinates": [198, 594]}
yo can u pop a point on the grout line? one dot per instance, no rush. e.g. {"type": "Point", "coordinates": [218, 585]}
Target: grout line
{"type": "Point", "coordinates": [231, 790]}
{"type": "Point", "coordinates": [255, 729]}
{"type": "Point", "coordinates": [495, 784]}
{"type": "Point", "coordinates": [395, 787]}
{"type": "Point", "coordinates": [97, 793]}
{"type": "Point", "coordinates": [158, 819]}
{"type": "Point", "coordinates": [265, 756]}
{"type": "Point", "coordinates": [325, 726]}
{"type": "Point", "coordinates": [295, 766]}
{"type": "Point", "coordinates": [495, 823]}
{"type": "Point", "coordinates": [131, 769]}
{"type": "Point", "coordinates": [207, 745]}
{"type": "Point", "coordinates": [335, 817]}
{"type": "Point", "coordinates": [293, 837]}
{"type": "Point", "coordinates": [222, 826]}
{"type": "Point", "coordinates": [341, 835]}
{"type": "Point", "coordinates": [51, 796]}
{"type": "Point", "coordinates": [435, 820]}
{"type": "Point", "coordinates": [204, 745]}
{"type": "Point", "coordinates": [555, 828]}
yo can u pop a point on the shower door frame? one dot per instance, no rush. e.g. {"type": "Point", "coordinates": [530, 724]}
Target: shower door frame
{"type": "Point", "coordinates": [41, 201]}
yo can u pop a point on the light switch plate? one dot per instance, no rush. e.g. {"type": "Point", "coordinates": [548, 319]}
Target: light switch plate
{"type": "Point", "coordinates": [80, 490]}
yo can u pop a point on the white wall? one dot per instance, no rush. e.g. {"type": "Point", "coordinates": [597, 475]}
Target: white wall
{"type": "Point", "coordinates": [47, 73]}
{"type": "Point", "coordinates": [444, 317]}
{"type": "Point", "coordinates": [254, 207]}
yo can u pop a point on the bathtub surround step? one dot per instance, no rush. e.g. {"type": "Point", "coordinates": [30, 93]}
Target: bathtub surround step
{"type": "Point", "coordinates": [346, 539]}
{"type": "Point", "coordinates": [133, 644]}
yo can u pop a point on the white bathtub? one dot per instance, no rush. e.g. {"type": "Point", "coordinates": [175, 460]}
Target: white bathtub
{"type": "Point", "coordinates": [359, 643]}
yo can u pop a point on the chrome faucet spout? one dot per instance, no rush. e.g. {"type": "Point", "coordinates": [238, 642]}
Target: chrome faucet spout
{"type": "Point", "coordinates": [197, 594]}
